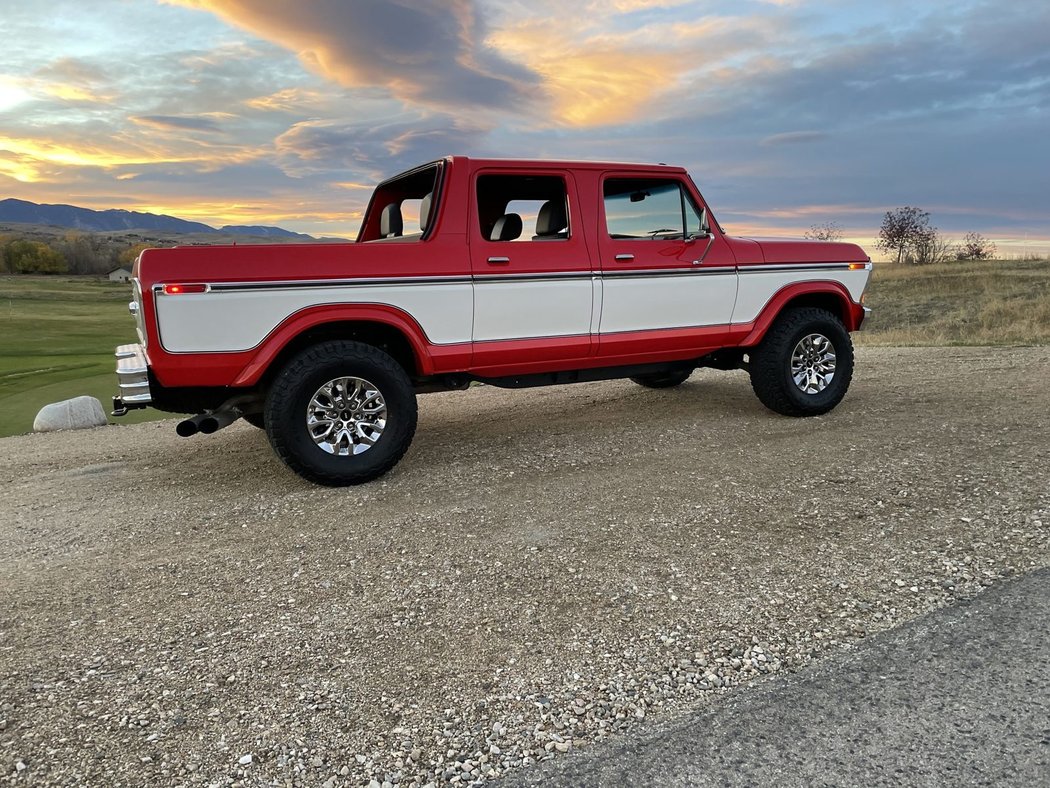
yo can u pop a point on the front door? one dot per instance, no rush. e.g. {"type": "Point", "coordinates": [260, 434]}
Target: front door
{"type": "Point", "coordinates": [669, 280]}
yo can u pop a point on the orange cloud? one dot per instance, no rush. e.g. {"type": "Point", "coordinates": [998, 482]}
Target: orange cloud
{"type": "Point", "coordinates": [285, 100]}
{"type": "Point", "coordinates": [72, 93]}
{"type": "Point", "coordinates": [596, 78]}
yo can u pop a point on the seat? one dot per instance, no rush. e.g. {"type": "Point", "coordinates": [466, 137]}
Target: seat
{"type": "Point", "coordinates": [551, 222]}
{"type": "Point", "coordinates": [424, 212]}
{"type": "Point", "coordinates": [391, 225]}
{"type": "Point", "coordinates": [506, 228]}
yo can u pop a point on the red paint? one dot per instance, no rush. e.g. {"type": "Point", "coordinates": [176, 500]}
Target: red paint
{"type": "Point", "coordinates": [453, 246]}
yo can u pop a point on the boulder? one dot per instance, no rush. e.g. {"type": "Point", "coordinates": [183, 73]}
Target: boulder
{"type": "Point", "coordinates": [72, 414]}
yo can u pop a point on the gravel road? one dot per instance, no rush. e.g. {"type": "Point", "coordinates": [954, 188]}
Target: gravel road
{"type": "Point", "coordinates": [543, 569]}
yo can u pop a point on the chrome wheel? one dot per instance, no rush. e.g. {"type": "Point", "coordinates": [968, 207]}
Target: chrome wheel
{"type": "Point", "coordinates": [346, 416]}
{"type": "Point", "coordinates": [813, 363]}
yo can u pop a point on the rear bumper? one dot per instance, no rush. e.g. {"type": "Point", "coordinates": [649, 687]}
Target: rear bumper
{"type": "Point", "coordinates": [132, 378]}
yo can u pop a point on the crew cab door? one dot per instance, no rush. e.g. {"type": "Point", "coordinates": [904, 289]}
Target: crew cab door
{"type": "Point", "coordinates": [669, 280]}
{"type": "Point", "coordinates": [533, 289]}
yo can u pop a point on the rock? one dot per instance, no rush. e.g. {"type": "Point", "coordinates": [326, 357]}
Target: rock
{"type": "Point", "coordinates": [244, 760]}
{"type": "Point", "coordinates": [72, 414]}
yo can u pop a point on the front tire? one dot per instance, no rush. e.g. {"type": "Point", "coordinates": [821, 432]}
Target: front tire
{"type": "Point", "coordinates": [804, 364]}
{"type": "Point", "coordinates": [341, 413]}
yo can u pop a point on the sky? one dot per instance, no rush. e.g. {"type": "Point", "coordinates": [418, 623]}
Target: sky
{"type": "Point", "coordinates": [788, 113]}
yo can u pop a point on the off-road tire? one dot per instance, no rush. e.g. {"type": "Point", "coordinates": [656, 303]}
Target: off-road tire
{"type": "Point", "coordinates": [770, 363]}
{"type": "Point", "coordinates": [663, 380]}
{"type": "Point", "coordinates": [294, 387]}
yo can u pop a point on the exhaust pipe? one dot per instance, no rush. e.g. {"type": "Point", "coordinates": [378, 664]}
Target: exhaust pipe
{"type": "Point", "coordinates": [190, 427]}
{"type": "Point", "coordinates": [213, 422]}
{"type": "Point", "coordinates": [223, 416]}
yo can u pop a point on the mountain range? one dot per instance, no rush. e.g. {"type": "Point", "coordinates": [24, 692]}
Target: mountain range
{"type": "Point", "coordinates": [25, 212]}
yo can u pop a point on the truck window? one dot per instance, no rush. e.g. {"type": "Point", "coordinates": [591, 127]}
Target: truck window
{"type": "Point", "coordinates": [401, 207]}
{"type": "Point", "coordinates": [649, 208]}
{"type": "Point", "coordinates": [522, 208]}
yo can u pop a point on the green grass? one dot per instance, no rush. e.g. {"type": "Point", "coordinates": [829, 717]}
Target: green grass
{"type": "Point", "coordinates": [57, 336]}
{"type": "Point", "coordinates": [994, 302]}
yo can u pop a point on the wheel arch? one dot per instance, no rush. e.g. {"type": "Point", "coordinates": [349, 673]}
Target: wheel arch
{"type": "Point", "coordinates": [830, 296]}
{"type": "Point", "coordinates": [390, 329]}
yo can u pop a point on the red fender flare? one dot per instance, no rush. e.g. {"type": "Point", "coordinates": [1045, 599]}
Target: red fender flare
{"type": "Point", "coordinates": [313, 316]}
{"type": "Point", "coordinates": [851, 312]}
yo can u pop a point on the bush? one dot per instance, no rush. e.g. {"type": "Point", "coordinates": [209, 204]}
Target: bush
{"type": "Point", "coordinates": [33, 257]}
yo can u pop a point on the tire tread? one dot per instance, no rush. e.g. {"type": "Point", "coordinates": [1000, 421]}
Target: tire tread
{"type": "Point", "coordinates": [766, 372]}
{"type": "Point", "coordinates": [319, 355]}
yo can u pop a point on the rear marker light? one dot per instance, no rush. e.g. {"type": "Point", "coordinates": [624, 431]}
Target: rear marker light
{"type": "Point", "coordinates": [184, 289]}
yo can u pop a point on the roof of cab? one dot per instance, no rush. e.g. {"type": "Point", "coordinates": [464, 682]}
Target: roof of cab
{"type": "Point", "coordinates": [565, 164]}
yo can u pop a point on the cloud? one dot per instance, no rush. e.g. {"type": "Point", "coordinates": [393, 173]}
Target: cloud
{"type": "Point", "coordinates": [286, 100]}
{"type": "Point", "coordinates": [428, 52]}
{"type": "Point", "coordinates": [372, 149]}
{"type": "Point", "coordinates": [600, 75]}
{"type": "Point", "coordinates": [177, 122]}
{"type": "Point", "coordinates": [794, 138]}
{"type": "Point", "coordinates": [74, 71]}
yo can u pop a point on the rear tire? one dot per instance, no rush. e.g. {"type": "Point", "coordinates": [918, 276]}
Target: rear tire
{"type": "Point", "coordinates": [663, 380]}
{"type": "Point", "coordinates": [341, 413]}
{"type": "Point", "coordinates": [804, 364]}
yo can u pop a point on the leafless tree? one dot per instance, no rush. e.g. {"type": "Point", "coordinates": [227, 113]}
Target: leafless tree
{"type": "Point", "coordinates": [933, 248]}
{"type": "Point", "coordinates": [826, 231]}
{"type": "Point", "coordinates": [907, 230]}
{"type": "Point", "coordinates": [976, 247]}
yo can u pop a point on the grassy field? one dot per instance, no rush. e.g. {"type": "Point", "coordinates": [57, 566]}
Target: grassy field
{"type": "Point", "coordinates": [57, 334]}
{"type": "Point", "coordinates": [959, 303]}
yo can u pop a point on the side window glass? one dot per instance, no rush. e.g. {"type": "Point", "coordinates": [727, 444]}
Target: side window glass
{"type": "Point", "coordinates": [522, 208]}
{"type": "Point", "coordinates": [649, 208]}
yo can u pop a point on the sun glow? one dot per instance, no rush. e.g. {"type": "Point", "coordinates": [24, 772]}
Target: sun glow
{"type": "Point", "coordinates": [11, 94]}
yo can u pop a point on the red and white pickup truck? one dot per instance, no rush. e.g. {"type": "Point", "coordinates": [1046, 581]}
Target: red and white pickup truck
{"type": "Point", "coordinates": [514, 273]}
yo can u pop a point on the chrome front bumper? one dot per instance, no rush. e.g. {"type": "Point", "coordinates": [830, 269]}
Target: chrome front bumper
{"type": "Point", "coordinates": [133, 379]}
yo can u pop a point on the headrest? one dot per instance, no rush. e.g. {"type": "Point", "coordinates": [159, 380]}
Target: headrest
{"type": "Point", "coordinates": [551, 219]}
{"type": "Point", "coordinates": [506, 228]}
{"type": "Point", "coordinates": [390, 222]}
{"type": "Point", "coordinates": [424, 212]}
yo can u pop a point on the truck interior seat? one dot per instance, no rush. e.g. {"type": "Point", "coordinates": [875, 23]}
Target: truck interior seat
{"type": "Point", "coordinates": [506, 228]}
{"type": "Point", "coordinates": [391, 225]}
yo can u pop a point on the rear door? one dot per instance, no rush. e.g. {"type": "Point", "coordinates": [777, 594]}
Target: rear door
{"type": "Point", "coordinates": [533, 289]}
{"type": "Point", "coordinates": [669, 280]}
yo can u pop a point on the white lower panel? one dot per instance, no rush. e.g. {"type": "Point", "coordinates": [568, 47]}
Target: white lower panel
{"type": "Point", "coordinates": [757, 289]}
{"type": "Point", "coordinates": [630, 304]}
{"type": "Point", "coordinates": [523, 310]}
{"type": "Point", "coordinates": [239, 320]}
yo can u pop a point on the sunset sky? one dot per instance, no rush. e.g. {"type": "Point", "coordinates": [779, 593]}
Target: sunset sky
{"type": "Point", "coordinates": [787, 112]}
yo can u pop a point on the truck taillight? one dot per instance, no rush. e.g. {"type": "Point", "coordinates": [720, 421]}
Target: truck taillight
{"type": "Point", "coordinates": [185, 289]}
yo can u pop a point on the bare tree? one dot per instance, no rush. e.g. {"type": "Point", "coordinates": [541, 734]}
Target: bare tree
{"type": "Point", "coordinates": [826, 231]}
{"type": "Point", "coordinates": [933, 248]}
{"type": "Point", "coordinates": [976, 247]}
{"type": "Point", "coordinates": [907, 229]}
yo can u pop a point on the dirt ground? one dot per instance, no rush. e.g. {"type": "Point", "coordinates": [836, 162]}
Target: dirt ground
{"type": "Point", "coordinates": [545, 568]}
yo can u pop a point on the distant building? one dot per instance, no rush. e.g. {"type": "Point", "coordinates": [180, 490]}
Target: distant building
{"type": "Point", "coordinates": [120, 275]}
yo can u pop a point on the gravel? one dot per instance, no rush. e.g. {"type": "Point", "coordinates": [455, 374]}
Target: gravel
{"type": "Point", "coordinates": [544, 569]}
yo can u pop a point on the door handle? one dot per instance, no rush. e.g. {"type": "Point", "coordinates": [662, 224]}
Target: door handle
{"type": "Point", "coordinates": [623, 258]}
{"type": "Point", "coordinates": [499, 260]}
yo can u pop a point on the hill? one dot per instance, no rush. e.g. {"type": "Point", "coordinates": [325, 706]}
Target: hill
{"type": "Point", "coordinates": [115, 220]}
